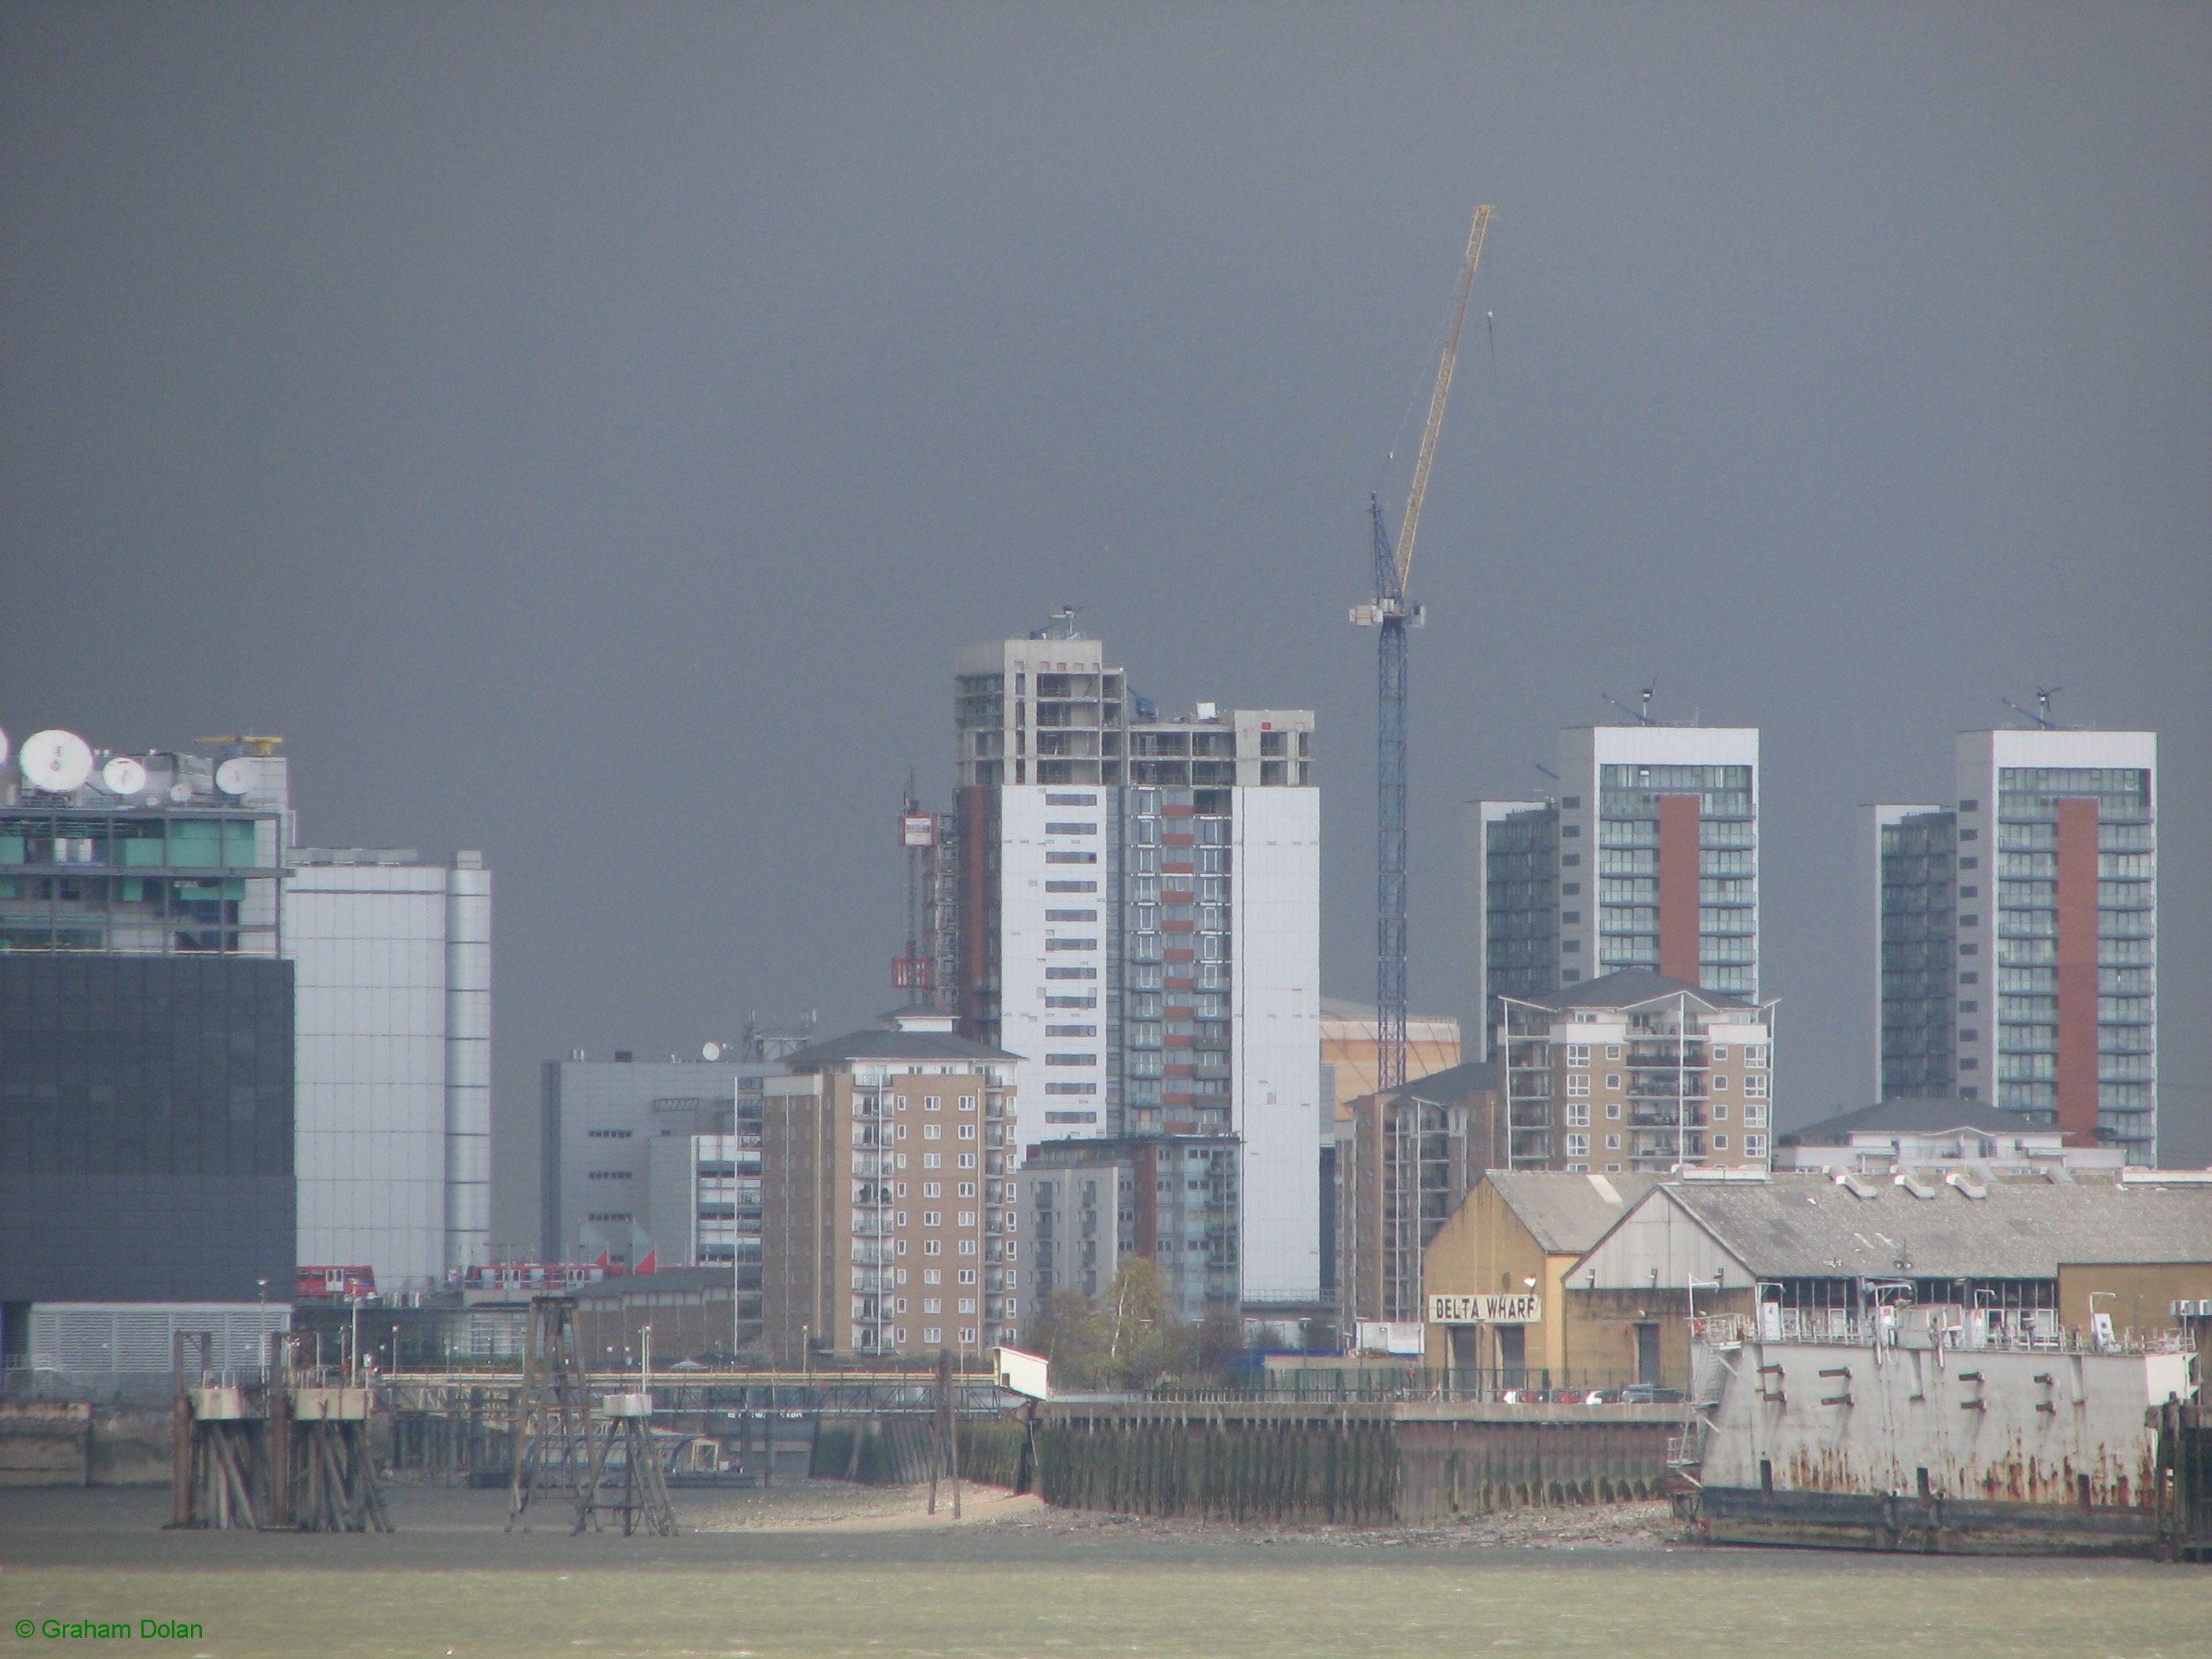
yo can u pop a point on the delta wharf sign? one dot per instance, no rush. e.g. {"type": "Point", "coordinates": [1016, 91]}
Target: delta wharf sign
{"type": "Point", "coordinates": [1526, 1309]}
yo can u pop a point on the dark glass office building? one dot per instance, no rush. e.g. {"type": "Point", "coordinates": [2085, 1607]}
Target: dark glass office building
{"type": "Point", "coordinates": [146, 1034]}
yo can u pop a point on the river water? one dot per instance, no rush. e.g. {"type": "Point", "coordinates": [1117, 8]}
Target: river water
{"type": "Point", "coordinates": [791, 1581]}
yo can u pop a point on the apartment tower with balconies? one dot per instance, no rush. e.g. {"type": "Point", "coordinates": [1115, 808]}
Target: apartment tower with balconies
{"type": "Point", "coordinates": [1646, 857]}
{"type": "Point", "coordinates": [2015, 934]}
{"type": "Point", "coordinates": [1138, 922]}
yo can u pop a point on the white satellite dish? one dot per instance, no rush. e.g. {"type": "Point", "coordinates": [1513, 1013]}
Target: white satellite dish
{"type": "Point", "coordinates": [180, 791]}
{"type": "Point", "coordinates": [237, 776]}
{"type": "Point", "coordinates": [56, 761]}
{"type": "Point", "coordinates": [710, 1051]}
{"type": "Point", "coordinates": [124, 775]}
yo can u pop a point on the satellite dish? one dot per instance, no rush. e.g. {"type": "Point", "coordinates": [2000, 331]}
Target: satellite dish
{"type": "Point", "coordinates": [56, 760]}
{"type": "Point", "coordinates": [180, 791]}
{"type": "Point", "coordinates": [124, 775]}
{"type": "Point", "coordinates": [237, 776]}
{"type": "Point", "coordinates": [710, 1051]}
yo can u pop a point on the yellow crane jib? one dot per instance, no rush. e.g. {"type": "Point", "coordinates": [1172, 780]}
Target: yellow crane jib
{"type": "Point", "coordinates": [1410, 525]}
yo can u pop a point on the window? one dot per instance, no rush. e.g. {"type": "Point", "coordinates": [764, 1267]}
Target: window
{"type": "Point", "coordinates": [898, 1131]}
{"type": "Point", "coordinates": [968, 1336]}
{"type": "Point", "coordinates": [1720, 1111]}
{"type": "Point", "coordinates": [1070, 828]}
{"type": "Point", "coordinates": [1071, 944]}
{"type": "Point", "coordinates": [967, 1217]}
{"type": "Point", "coordinates": [1613, 1143]}
{"type": "Point", "coordinates": [609, 1135]}
{"type": "Point", "coordinates": [1071, 887]}
{"type": "Point", "coordinates": [1613, 1079]}
{"type": "Point", "coordinates": [932, 1275]}
{"type": "Point", "coordinates": [968, 1306]}
{"type": "Point", "coordinates": [967, 1160]}
{"type": "Point", "coordinates": [1720, 1051]}
{"type": "Point", "coordinates": [1613, 1108]}
{"type": "Point", "coordinates": [1577, 1145]}
{"type": "Point", "coordinates": [1578, 1085]}
{"type": "Point", "coordinates": [1754, 1117]}
{"type": "Point", "coordinates": [967, 1132]}
{"type": "Point", "coordinates": [932, 1334]}
{"type": "Point", "coordinates": [1071, 915]}
{"type": "Point", "coordinates": [929, 1247]}
{"type": "Point", "coordinates": [929, 1190]}
{"type": "Point", "coordinates": [1754, 1087]}
{"type": "Point", "coordinates": [967, 1275]}
{"type": "Point", "coordinates": [929, 1131]}
{"type": "Point", "coordinates": [1578, 1054]}
{"type": "Point", "coordinates": [1071, 1059]}
{"type": "Point", "coordinates": [1720, 1143]}
{"type": "Point", "coordinates": [898, 1305]}
{"type": "Point", "coordinates": [1613, 1052]}
{"type": "Point", "coordinates": [1070, 858]}
{"type": "Point", "coordinates": [933, 1304]}
{"type": "Point", "coordinates": [1070, 800]}
{"type": "Point", "coordinates": [931, 1160]}
{"type": "Point", "coordinates": [966, 1102]}
{"type": "Point", "coordinates": [898, 1218]}
{"type": "Point", "coordinates": [1578, 1113]}
{"type": "Point", "coordinates": [932, 1102]}
{"type": "Point", "coordinates": [1071, 973]}
{"type": "Point", "coordinates": [932, 1217]}
{"type": "Point", "coordinates": [898, 1189]}
{"type": "Point", "coordinates": [1755, 1145]}
{"type": "Point", "coordinates": [967, 1189]}
{"type": "Point", "coordinates": [1720, 1082]}
{"type": "Point", "coordinates": [967, 1247]}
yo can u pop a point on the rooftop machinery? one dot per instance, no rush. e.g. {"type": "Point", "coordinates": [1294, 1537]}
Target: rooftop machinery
{"type": "Point", "coordinates": [1391, 614]}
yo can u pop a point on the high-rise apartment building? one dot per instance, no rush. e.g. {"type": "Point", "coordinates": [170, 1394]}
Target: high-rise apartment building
{"type": "Point", "coordinates": [2015, 935]}
{"type": "Point", "coordinates": [890, 1217]}
{"type": "Point", "coordinates": [146, 1028]}
{"type": "Point", "coordinates": [1635, 1071]}
{"type": "Point", "coordinates": [1139, 920]}
{"type": "Point", "coordinates": [1646, 858]}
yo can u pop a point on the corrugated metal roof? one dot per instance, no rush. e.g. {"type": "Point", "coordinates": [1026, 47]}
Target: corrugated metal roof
{"type": "Point", "coordinates": [1568, 1213]}
{"type": "Point", "coordinates": [1812, 1227]}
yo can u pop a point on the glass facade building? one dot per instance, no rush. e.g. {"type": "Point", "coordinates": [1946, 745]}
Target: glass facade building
{"type": "Point", "coordinates": [146, 1035]}
{"type": "Point", "coordinates": [1646, 858]}
{"type": "Point", "coordinates": [2015, 934]}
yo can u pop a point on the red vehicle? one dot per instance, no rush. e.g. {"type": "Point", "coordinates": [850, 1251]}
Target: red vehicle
{"type": "Point", "coordinates": [336, 1284]}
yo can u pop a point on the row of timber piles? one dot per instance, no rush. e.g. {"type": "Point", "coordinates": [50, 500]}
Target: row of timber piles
{"type": "Point", "coordinates": [1353, 1464]}
{"type": "Point", "coordinates": [1278, 1467]}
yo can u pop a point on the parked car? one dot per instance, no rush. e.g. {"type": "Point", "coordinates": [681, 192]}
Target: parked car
{"type": "Point", "coordinates": [1602, 1397]}
{"type": "Point", "coordinates": [1650, 1393]}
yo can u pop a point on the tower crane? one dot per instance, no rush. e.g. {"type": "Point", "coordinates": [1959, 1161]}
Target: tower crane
{"type": "Point", "coordinates": [1391, 614]}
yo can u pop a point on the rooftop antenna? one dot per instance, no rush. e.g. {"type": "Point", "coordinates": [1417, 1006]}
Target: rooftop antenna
{"type": "Point", "coordinates": [1548, 771]}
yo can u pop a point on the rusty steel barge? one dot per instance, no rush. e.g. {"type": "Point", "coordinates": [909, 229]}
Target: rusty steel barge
{"type": "Point", "coordinates": [1925, 1429]}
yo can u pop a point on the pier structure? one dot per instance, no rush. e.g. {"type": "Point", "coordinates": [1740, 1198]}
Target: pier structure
{"type": "Point", "coordinates": [289, 1447]}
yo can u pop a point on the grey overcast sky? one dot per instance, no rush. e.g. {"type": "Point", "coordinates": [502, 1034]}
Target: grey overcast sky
{"type": "Point", "coordinates": [585, 431]}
